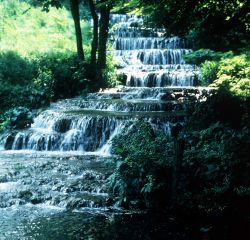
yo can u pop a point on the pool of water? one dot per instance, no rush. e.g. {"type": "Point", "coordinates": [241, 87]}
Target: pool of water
{"type": "Point", "coordinates": [55, 196]}
{"type": "Point", "coordinates": [42, 222]}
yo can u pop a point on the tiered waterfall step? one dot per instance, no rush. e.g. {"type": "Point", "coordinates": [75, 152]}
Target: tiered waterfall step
{"type": "Point", "coordinates": [155, 93]}
{"type": "Point", "coordinates": [90, 124]}
{"type": "Point", "coordinates": [133, 43]}
{"type": "Point", "coordinates": [138, 49]}
{"type": "Point", "coordinates": [84, 130]}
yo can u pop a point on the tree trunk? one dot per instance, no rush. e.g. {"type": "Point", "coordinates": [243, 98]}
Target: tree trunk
{"type": "Point", "coordinates": [74, 5]}
{"type": "Point", "coordinates": [178, 157]}
{"type": "Point", "coordinates": [103, 35]}
{"type": "Point", "coordinates": [94, 45]}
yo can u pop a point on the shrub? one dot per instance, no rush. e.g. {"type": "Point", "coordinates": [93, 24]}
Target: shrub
{"type": "Point", "coordinates": [15, 69]}
{"type": "Point", "coordinates": [17, 118]}
{"type": "Point", "coordinates": [110, 76]}
{"type": "Point", "coordinates": [200, 56]}
{"type": "Point", "coordinates": [143, 172]}
{"type": "Point", "coordinates": [234, 75]}
{"type": "Point", "coordinates": [36, 81]}
{"type": "Point", "coordinates": [217, 171]}
{"type": "Point", "coordinates": [222, 106]}
{"type": "Point", "coordinates": [59, 71]}
{"type": "Point", "coordinates": [209, 71]}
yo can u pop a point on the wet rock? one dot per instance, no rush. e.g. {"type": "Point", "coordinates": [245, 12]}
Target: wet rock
{"type": "Point", "coordinates": [25, 194]}
{"type": "Point", "coordinates": [167, 96]}
{"type": "Point", "coordinates": [62, 125]}
{"type": "Point", "coordinates": [9, 141]}
{"type": "Point", "coordinates": [35, 200]}
{"type": "Point", "coordinates": [15, 202]}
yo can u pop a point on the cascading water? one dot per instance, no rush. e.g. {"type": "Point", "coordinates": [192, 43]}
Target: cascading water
{"type": "Point", "coordinates": [150, 60]}
{"type": "Point", "coordinates": [60, 161]}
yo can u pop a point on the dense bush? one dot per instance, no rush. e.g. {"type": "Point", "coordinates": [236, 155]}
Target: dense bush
{"type": "Point", "coordinates": [59, 74]}
{"type": "Point", "coordinates": [52, 75]}
{"type": "Point", "coordinates": [35, 81]}
{"type": "Point", "coordinates": [143, 172]}
{"type": "Point", "coordinates": [209, 71]}
{"type": "Point", "coordinates": [208, 61]}
{"type": "Point", "coordinates": [226, 70]}
{"type": "Point", "coordinates": [215, 180]}
{"type": "Point", "coordinates": [18, 118]}
{"type": "Point", "coordinates": [222, 106]}
{"type": "Point", "coordinates": [202, 55]}
{"type": "Point", "coordinates": [14, 69]}
{"type": "Point", "coordinates": [234, 75]}
{"type": "Point", "coordinates": [13, 96]}
{"type": "Point", "coordinates": [110, 76]}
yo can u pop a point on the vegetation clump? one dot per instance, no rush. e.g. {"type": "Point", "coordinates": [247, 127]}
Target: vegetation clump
{"type": "Point", "coordinates": [143, 171]}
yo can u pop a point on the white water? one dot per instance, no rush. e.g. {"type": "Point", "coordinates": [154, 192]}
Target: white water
{"type": "Point", "coordinates": [158, 85]}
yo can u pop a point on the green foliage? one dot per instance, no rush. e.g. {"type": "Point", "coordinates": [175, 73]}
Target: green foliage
{"type": "Point", "coordinates": [220, 25]}
{"type": "Point", "coordinates": [216, 163]}
{"type": "Point", "coordinates": [17, 118]}
{"type": "Point", "coordinates": [143, 171]}
{"type": "Point", "coordinates": [27, 29]}
{"type": "Point", "coordinates": [234, 75]}
{"type": "Point", "coordinates": [33, 82]}
{"type": "Point", "coordinates": [57, 75]}
{"type": "Point", "coordinates": [223, 70]}
{"type": "Point", "coordinates": [37, 63]}
{"type": "Point", "coordinates": [15, 69]}
{"type": "Point", "coordinates": [208, 60]}
{"type": "Point", "coordinates": [209, 71]}
{"type": "Point", "coordinates": [110, 76]}
{"type": "Point", "coordinates": [202, 55]}
{"type": "Point", "coordinates": [221, 106]}
{"type": "Point", "coordinates": [14, 96]}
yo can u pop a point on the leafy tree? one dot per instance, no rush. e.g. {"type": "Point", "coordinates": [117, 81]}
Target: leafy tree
{"type": "Point", "coordinates": [215, 24]}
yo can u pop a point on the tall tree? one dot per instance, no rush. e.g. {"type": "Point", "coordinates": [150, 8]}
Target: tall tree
{"type": "Point", "coordinates": [94, 45]}
{"type": "Point", "coordinates": [74, 6]}
{"type": "Point", "coordinates": [220, 25]}
{"type": "Point", "coordinates": [100, 31]}
{"type": "Point", "coordinates": [105, 7]}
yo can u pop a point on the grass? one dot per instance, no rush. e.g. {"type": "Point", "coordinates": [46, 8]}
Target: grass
{"type": "Point", "coordinates": [28, 30]}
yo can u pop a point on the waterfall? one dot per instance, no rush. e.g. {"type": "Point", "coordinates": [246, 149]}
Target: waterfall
{"type": "Point", "coordinates": [148, 59]}
{"type": "Point", "coordinates": [158, 86]}
{"type": "Point", "coordinates": [53, 175]}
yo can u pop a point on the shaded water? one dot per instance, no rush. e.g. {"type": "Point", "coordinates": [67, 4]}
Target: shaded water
{"type": "Point", "coordinates": [63, 196]}
{"type": "Point", "coordinates": [31, 223]}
